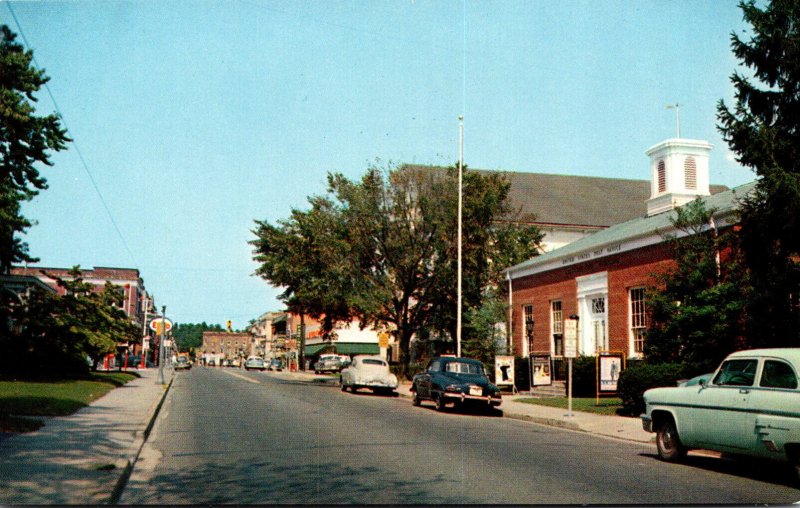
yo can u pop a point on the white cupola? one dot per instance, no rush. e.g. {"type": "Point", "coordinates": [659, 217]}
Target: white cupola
{"type": "Point", "coordinates": [679, 169]}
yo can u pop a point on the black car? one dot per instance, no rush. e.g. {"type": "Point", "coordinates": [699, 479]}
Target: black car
{"type": "Point", "coordinates": [457, 381]}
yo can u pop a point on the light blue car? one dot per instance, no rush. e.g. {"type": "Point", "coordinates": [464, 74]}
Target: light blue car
{"type": "Point", "coordinates": [751, 407]}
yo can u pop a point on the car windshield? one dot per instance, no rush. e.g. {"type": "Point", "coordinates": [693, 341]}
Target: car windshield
{"type": "Point", "coordinates": [737, 373]}
{"type": "Point", "coordinates": [373, 362]}
{"type": "Point", "coordinates": [464, 368]}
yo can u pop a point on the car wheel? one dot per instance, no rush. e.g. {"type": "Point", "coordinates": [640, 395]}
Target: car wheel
{"type": "Point", "coordinates": [668, 442]}
{"type": "Point", "coordinates": [344, 386]}
{"type": "Point", "coordinates": [415, 400]}
{"type": "Point", "coordinates": [439, 401]}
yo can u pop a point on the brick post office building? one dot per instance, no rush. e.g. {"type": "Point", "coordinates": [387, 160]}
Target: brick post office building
{"type": "Point", "coordinates": [602, 277]}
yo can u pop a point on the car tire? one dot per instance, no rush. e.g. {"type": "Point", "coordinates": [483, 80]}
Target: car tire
{"type": "Point", "coordinates": [438, 399]}
{"type": "Point", "coordinates": [668, 442]}
{"type": "Point", "coordinates": [415, 400]}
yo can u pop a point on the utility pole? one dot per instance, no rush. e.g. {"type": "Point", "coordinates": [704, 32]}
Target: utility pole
{"type": "Point", "coordinates": [144, 330]}
{"type": "Point", "coordinates": [163, 330]}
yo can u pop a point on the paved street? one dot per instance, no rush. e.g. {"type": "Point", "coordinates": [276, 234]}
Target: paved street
{"type": "Point", "coordinates": [230, 436]}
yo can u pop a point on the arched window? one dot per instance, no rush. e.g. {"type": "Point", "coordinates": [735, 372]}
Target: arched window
{"type": "Point", "coordinates": [662, 176]}
{"type": "Point", "coordinates": [690, 173]}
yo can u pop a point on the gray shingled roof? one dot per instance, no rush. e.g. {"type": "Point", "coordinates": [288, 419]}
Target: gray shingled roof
{"type": "Point", "coordinates": [575, 200]}
{"type": "Point", "coordinates": [723, 202]}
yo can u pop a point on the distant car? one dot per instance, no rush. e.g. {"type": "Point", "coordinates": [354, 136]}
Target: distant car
{"type": "Point", "coordinates": [328, 363]}
{"type": "Point", "coordinates": [457, 381]}
{"type": "Point", "coordinates": [750, 407]}
{"type": "Point", "coordinates": [183, 363]}
{"type": "Point", "coordinates": [367, 371]}
{"type": "Point", "coordinates": [254, 362]}
{"type": "Point", "coordinates": [275, 364]}
{"type": "Point", "coordinates": [703, 378]}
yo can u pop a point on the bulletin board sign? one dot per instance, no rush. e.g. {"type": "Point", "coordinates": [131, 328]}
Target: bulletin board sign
{"type": "Point", "coordinates": [504, 370]}
{"type": "Point", "coordinates": [609, 366]}
{"type": "Point", "coordinates": [541, 374]}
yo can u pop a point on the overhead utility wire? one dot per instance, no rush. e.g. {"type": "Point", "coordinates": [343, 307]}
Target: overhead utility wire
{"type": "Point", "coordinates": [74, 143]}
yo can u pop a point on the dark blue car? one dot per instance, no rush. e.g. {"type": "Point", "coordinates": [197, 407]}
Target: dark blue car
{"type": "Point", "coordinates": [456, 381]}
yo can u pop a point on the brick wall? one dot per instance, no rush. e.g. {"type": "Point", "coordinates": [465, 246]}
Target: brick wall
{"type": "Point", "coordinates": [625, 271]}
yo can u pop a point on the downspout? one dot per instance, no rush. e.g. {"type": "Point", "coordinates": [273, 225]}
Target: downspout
{"type": "Point", "coordinates": [716, 247]}
{"type": "Point", "coordinates": [510, 334]}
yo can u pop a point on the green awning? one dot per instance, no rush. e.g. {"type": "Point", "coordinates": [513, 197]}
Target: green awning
{"type": "Point", "coordinates": [344, 348]}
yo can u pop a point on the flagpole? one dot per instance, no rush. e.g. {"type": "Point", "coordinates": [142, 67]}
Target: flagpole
{"type": "Point", "coordinates": [460, 205]}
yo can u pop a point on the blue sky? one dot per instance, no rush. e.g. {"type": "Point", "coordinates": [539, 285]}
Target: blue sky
{"type": "Point", "coordinates": [196, 118]}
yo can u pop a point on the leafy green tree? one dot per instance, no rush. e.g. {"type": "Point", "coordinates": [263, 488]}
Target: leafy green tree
{"type": "Point", "coordinates": [55, 334]}
{"type": "Point", "coordinates": [383, 249]}
{"type": "Point", "coordinates": [484, 337]}
{"type": "Point", "coordinates": [763, 130]}
{"type": "Point", "coordinates": [696, 308]}
{"type": "Point", "coordinates": [25, 142]}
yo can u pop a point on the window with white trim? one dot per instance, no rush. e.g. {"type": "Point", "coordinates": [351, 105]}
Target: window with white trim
{"type": "Point", "coordinates": [638, 320]}
{"type": "Point", "coordinates": [557, 326]}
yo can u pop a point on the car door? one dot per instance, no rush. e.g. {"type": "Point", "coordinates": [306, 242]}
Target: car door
{"type": "Point", "coordinates": [424, 380]}
{"type": "Point", "coordinates": [720, 411]}
{"type": "Point", "coordinates": [774, 408]}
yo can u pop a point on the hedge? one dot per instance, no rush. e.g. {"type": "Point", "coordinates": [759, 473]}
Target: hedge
{"type": "Point", "coordinates": [639, 377]}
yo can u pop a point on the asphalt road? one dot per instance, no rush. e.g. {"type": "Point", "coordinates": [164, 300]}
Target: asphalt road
{"type": "Point", "coordinates": [230, 436]}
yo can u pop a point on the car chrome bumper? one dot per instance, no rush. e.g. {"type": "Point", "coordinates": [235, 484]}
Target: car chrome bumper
{"type": "Point", "coordinates": [647, 423]}
{"type": "Point", "coordinates": [463, 397]}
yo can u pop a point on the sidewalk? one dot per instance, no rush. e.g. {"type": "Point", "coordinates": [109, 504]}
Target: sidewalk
{"type": "Point", "coordinates": [82, 458]}
{"type": "Point", "coordinates": [619, 427]}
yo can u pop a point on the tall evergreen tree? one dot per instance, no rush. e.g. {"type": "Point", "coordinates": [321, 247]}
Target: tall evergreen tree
{"type": "Point", "coordinates": [26, 141]}
{"type": "Point", "coordinates": [696, 308]}
{"type": "Point", "coordinates": [763, 130]}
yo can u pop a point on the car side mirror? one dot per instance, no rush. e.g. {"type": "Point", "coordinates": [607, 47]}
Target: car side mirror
{"type": "Point", "coordinates": [703, 383]}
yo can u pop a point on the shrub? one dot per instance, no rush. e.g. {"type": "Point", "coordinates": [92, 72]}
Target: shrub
{"type": "Point", "coordinates": [584, 376]}
{"type": "Point", "coordinates": [639, 377]}
{"type": "Point", "coordinates": [522, 373]}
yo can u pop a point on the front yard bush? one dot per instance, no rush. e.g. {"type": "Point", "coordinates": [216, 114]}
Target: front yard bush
{"type": "Point", "coordinates": [639, 377]}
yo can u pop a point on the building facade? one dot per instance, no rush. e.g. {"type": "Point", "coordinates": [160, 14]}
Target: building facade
{"type": "Point", "coordinates": [601, 279]}
{"type": "Point", "coordinates": [128, 280]}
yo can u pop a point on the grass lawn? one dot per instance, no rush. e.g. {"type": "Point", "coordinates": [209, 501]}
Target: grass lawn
{"type": "Point", "coordinates": [52, 398]}
{"type": "Point", "coordinates": [607, 405]}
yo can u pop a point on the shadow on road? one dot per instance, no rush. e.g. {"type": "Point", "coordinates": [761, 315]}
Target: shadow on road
{"type": "Point", "coordinates": [261, 482]}
{"type": "Point", "coordinates": [768, 471]}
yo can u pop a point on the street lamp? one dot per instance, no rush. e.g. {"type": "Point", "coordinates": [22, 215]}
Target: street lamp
{"type": "Point", "coordinates": [529, 332]}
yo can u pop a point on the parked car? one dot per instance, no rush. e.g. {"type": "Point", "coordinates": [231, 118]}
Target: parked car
{"type": "Point", "coordinates": [751, 406]}
{"type": "Point", "coordinates": [457, 381]}
{"type": "Point", "coordinates": [183, 363]}
{"type": "Point", "coordinates": [275, 364]}
{"type": "Point", "coordinates": [368, 371]}
{"type": "Point", "coordinates": [328, 363]}
{"type": "Point", "coordinates": [255, 362]}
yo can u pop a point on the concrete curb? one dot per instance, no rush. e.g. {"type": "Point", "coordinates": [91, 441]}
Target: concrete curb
{"type": "Point", "coordinates": [138, 444]}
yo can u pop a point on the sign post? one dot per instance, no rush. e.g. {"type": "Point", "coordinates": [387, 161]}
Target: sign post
{"type": "Point", "coordinates": [570, 351]}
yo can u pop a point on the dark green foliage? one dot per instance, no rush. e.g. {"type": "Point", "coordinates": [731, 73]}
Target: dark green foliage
{"type": "Point", "coordinates": [55, 335]}
{"type": "Point", "coordinates": [763, 130]}
{"type": "Point", "coordinates": [522, 373]}
{"type": "Point", "coordinates": [584, 376]}
{"type": "Point", "coordinates": [696, 310]}
{"type": "Point", "coordinates": [638, 377]}
{"type": "Point", "coordinates": [190, 335]}
{"type": "Point", "coordinates": [25, 142]}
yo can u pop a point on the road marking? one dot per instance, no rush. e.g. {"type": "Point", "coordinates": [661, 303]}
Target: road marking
{"type": "Point", "coordinates": [236, 374]}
